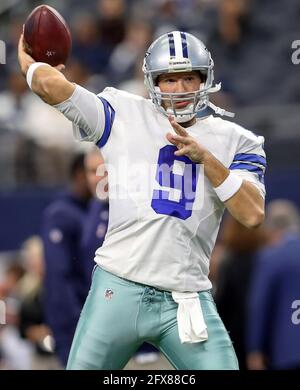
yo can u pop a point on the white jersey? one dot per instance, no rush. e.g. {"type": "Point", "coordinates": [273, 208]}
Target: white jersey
{"type": "Point", "coordinates": [164, 214]}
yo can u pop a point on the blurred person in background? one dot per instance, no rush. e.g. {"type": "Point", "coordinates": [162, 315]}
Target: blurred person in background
{"type": "Point", "coordinates": [234, 270]}
{"type": "Point", "coordinates": [135, 84]}
{"type": "Point", "coordinates": [112, 21]}
{"type": "Point", "coordinates": [17, 353]}
{"type": "Point", "coordinates": [229, 40]}
{"type": "Point", "coordinates": [13, 274]}
{"type": "Point", "coordinates": [141, 276]}
{"type": "Point", "coordinates": [273, 337]}
{"type": "Point", "coordinates": [89, 48]}
{"type": "Point", "coordinates": [123, 60]}
{"type": "Point", "coordinates": [65, 278]}
{"type": "Point", "coordinates": [32, 324]}
{"type": "Point", "coordinates": [96, 220]}
{"type": "Point", "coordinates": [14, 101]}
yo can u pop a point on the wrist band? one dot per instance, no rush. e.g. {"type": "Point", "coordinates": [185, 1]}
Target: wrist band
{"type": "Point", "coordinates": [229, 187]}
{"type": "Point", "coordinates": [31, 70]}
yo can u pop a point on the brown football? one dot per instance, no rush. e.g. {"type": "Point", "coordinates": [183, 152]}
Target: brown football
{"type": "Point", "coordinates": [47, 37]}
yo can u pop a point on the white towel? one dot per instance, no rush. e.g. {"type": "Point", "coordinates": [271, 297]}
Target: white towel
{"type": "Point", "coordinates": [191, 324]}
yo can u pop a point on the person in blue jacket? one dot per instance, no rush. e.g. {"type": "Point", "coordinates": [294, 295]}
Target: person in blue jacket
{"type": "Point", "coordinates": [66, 286]}
{"type": "Point", "coordinates": [96, 220]}
{"type": "Point", "coordinates": [273, 337]}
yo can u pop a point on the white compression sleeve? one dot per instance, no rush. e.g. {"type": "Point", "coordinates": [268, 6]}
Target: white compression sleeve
{"type": "Point", "coordinates": [86, 111]}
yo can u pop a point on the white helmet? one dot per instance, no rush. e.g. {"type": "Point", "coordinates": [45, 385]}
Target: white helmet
{"type": "Point", "coordinates": [180, 52]}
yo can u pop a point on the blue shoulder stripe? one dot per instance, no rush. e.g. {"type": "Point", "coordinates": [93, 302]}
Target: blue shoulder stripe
{"type": "Point", "coordinates": [244, 165]}
{"type": "Point", "coordinates": [251, 168]}
{"type": "Point", "coordinates": [109, 120]}
{"type": "Point", "coordinates": [254, 158]}
{"type": "Point", "coordinates": [248, 167]}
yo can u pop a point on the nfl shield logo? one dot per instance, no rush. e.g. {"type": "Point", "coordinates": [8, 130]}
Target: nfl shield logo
{"type": "Point", "coordinates": [108, 294]}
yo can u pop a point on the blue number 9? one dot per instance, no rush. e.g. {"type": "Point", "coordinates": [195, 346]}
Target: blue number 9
{"type": "Point", "coordinates": [176, 179]}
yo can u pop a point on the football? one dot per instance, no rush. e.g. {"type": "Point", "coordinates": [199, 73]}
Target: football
{"type": "Point", "coordinates": [47, 37]}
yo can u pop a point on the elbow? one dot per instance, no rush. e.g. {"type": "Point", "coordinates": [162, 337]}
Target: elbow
{"type": "Point", "coordinates": [255, 220]}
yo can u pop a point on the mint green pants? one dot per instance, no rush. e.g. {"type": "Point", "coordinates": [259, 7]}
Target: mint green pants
{"type": "Point", "coordinates": [119, 315]}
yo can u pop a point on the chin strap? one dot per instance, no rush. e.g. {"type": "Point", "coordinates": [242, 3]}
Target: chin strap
{"type": "Point", "coordinates": [220, 111]}
{"type": "Point", "coordinates": [216, 88]}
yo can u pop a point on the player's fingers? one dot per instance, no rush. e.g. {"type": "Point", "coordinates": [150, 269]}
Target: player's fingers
{"type": "Point", "coordinates": [22, 49]}
{"type": "Point", "coordinates": [21, 43]}
{"type": "Point", "coordinates": [181, 152]}
{"type": "Point", "coordinates": [176, 126]}
{"type": "Point", "coordinates": [179, 138]}
{"type": "Point", "coordinates": [25, 60]}
{"type": "Point", "coordinates": [170, 138]}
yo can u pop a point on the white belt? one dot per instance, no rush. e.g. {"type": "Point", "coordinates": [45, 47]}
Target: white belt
{"type": "Point", "coordinates": [191, 324]}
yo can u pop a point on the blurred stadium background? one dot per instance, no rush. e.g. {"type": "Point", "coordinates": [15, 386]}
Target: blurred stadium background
{"type": "Point", "coordinates": [251, 44]}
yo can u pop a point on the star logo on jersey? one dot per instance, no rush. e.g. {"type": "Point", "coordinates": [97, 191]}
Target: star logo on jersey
{"type": "Point", "coordinates": [108, 294]}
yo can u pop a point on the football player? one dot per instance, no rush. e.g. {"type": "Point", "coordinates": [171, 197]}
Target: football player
{"type": "Point", "coordinates": [171, 175]}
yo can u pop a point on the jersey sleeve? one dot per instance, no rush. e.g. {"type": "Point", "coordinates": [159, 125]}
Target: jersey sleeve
{"type": "Point", "coordinates": [249, 161]}
{"type": "Point", "coordinates": [92, 115]}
